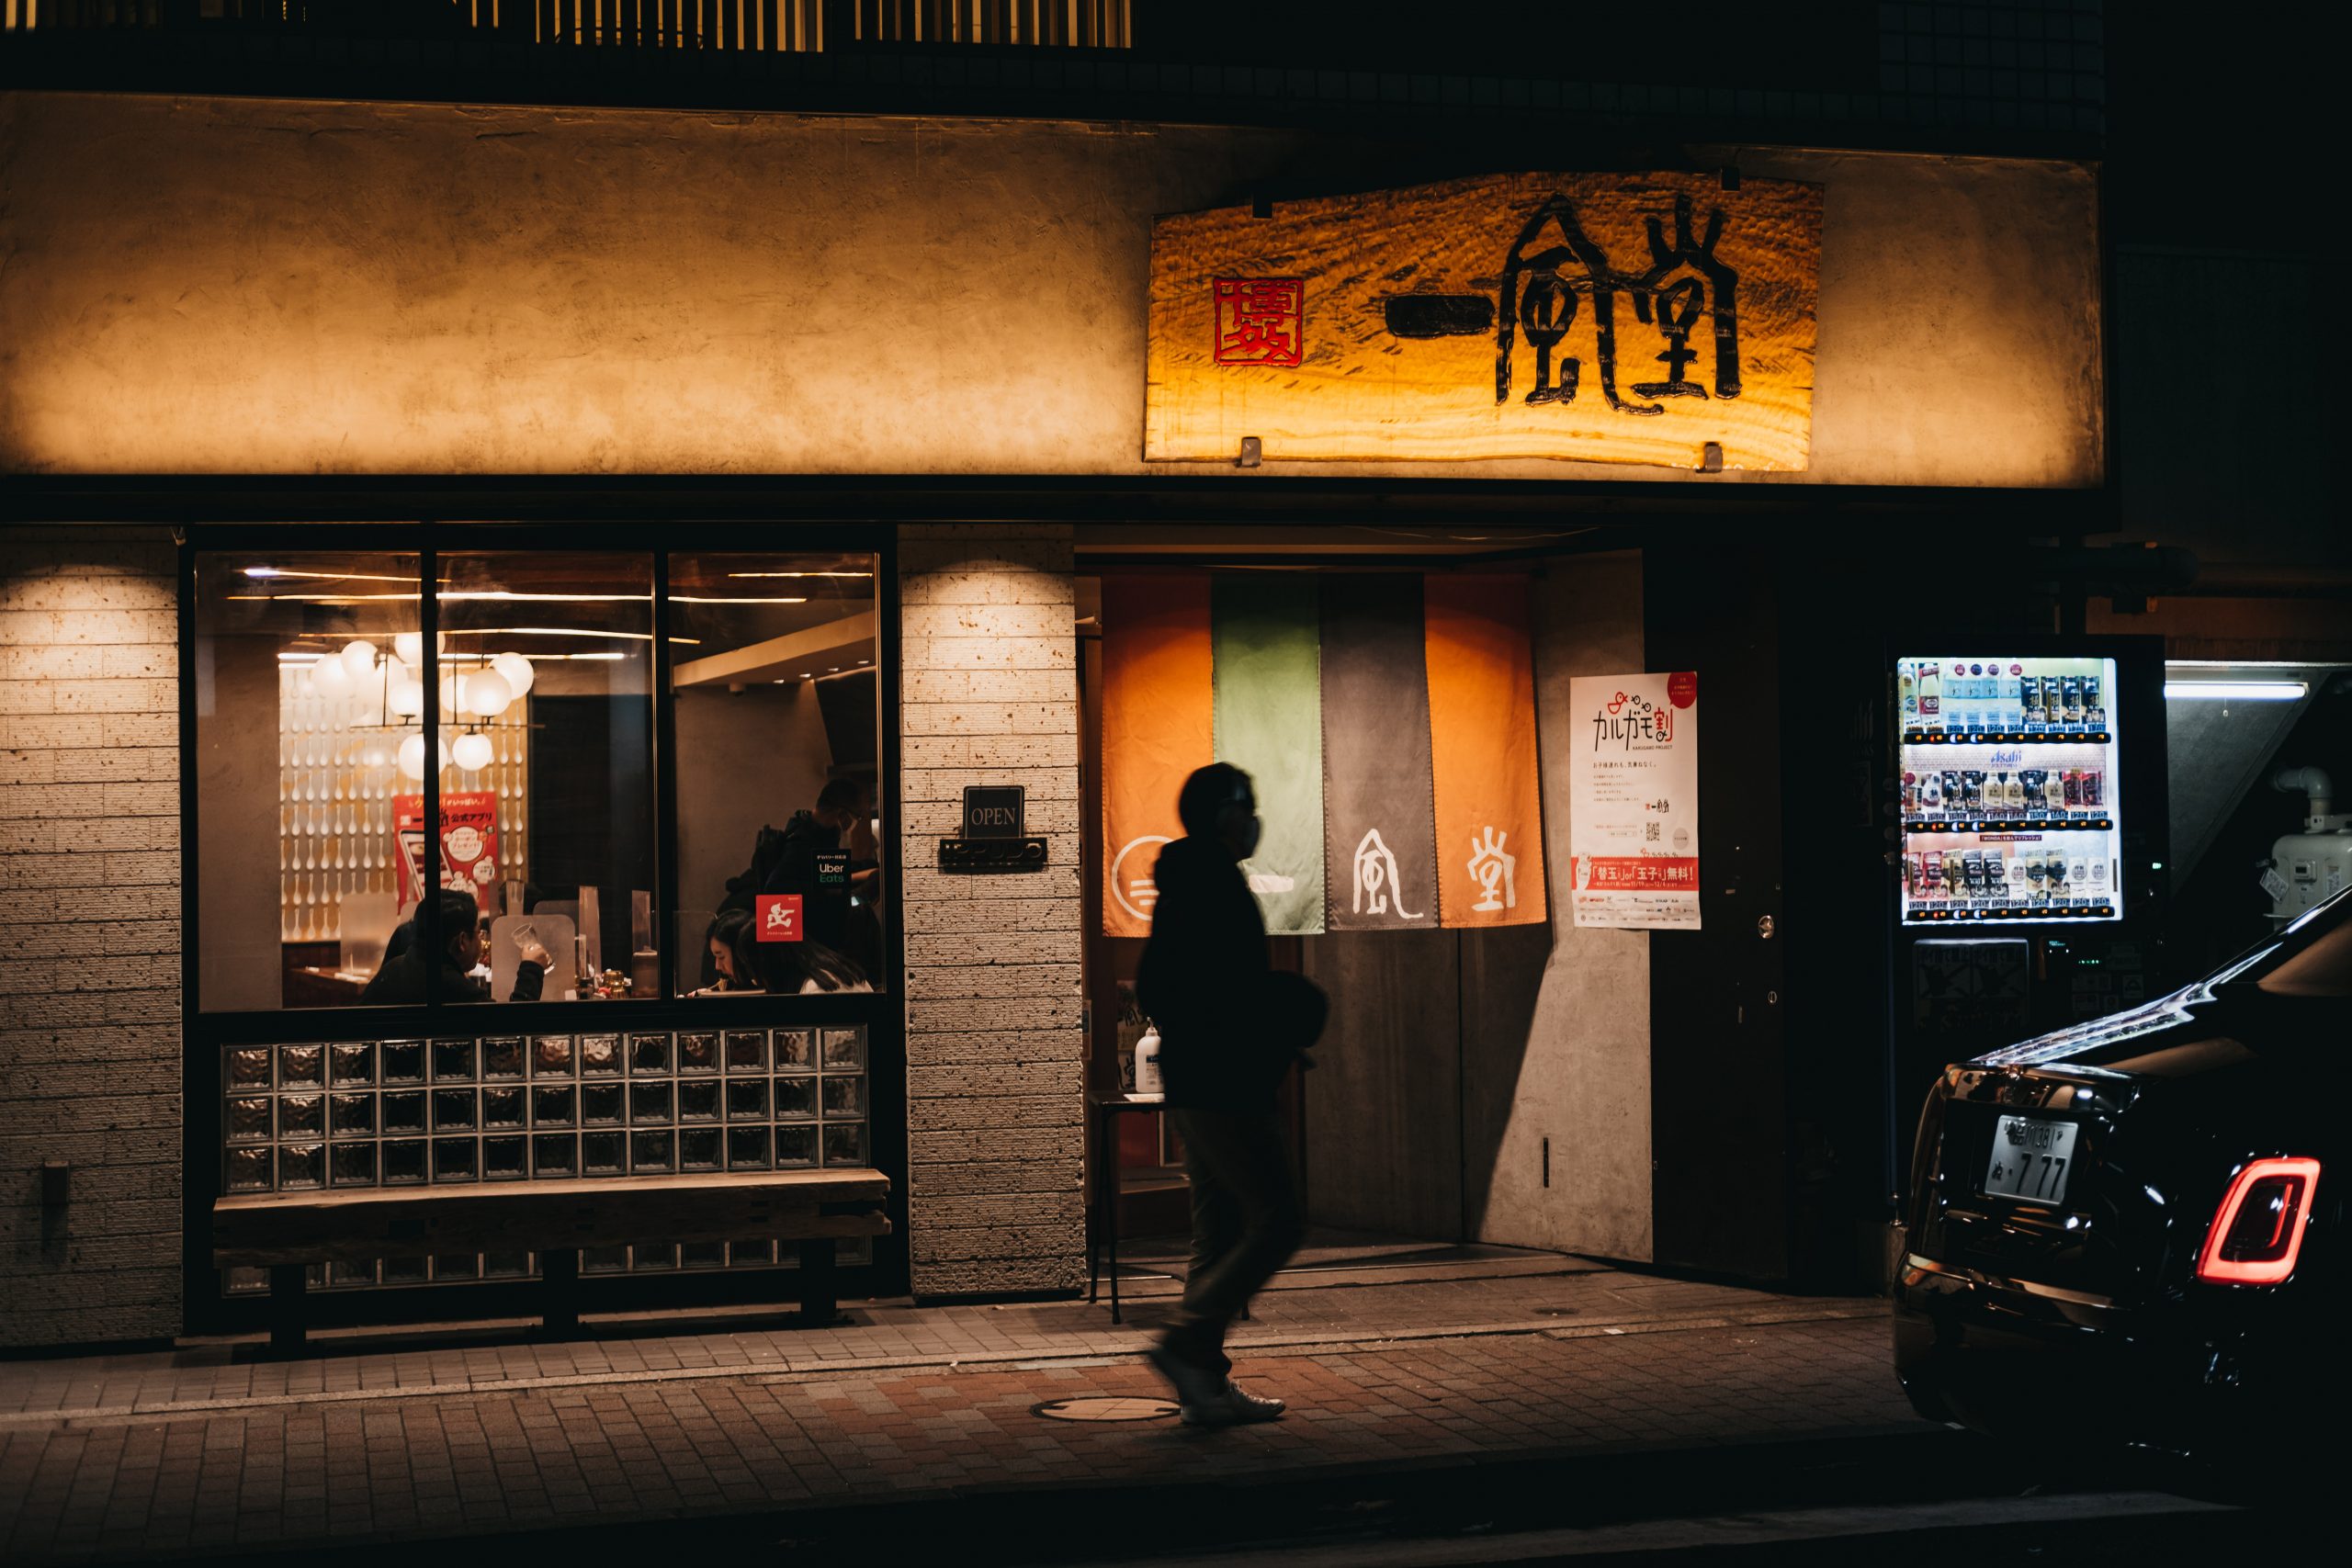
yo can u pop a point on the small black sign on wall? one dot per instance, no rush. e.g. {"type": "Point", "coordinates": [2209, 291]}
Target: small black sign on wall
{"type": "Point", "coordinates": [995, 811]}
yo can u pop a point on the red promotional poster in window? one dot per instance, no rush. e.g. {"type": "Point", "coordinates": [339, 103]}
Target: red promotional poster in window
{"type": "Point", "coordinates": [777, 918]}
{"type": "Point", "coordinates": [469, 845]}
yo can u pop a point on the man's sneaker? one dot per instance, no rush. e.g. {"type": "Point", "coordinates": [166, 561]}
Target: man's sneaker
{"type": "Point", "coordinates": [1232, 1408]}
{"type": "Point", "coordinates": [1195, 1385]}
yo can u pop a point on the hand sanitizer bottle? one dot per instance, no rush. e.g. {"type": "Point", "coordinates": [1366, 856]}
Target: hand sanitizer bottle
{"type": "Point", "coordinates": [1147, 1081]}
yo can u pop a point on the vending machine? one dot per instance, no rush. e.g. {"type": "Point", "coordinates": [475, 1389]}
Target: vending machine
{"type": "Point", "coordinates": [2028, 845]}
{"type": "Point", "coordinates": [2012, 803]}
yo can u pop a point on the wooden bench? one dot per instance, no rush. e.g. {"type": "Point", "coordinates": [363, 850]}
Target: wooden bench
{"type": "Point", "coordinates": [285, 1232]}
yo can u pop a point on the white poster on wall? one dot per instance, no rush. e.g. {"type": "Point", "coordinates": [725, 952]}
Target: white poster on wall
{"type": "Point", "coordinates": [1633, 800]}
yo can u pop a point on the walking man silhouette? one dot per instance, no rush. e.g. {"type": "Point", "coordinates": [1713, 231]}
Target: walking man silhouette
{"type": "Point", "coordinates": [1229, 1030]}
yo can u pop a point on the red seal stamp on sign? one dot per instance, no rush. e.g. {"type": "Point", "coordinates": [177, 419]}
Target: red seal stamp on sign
{"type": "Point", "coordinates": [777, 918]}
{"type": "Point", "coordinates": [1682, 688]}
{"type": "Point", "coordinates": [1259, 319]}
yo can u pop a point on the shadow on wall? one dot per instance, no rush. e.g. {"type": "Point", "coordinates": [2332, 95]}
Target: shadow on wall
{"type": "Point", "coordinates": [1494, 1085]}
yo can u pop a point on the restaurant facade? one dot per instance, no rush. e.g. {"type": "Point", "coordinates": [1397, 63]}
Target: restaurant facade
{"type": "Point", "coordinates": [730, 492]}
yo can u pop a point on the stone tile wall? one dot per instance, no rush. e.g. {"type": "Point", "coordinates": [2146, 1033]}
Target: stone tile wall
{"type": "Point", "coordinates": [995, 1047]}
{"type": "Point", "coordinates": [89, 935]}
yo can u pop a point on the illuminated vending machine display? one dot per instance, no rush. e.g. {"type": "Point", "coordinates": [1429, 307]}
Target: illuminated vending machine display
{"type": "Point", "coordinates": [2008, 778]}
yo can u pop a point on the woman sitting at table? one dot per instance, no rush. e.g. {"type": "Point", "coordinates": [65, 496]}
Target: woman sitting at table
{"type": "Point", "coordinates": [804, 969]}
{"type": "Point", "coordinates": [465, 944]}
{"type": "Point", "coordinates": [726, 953]}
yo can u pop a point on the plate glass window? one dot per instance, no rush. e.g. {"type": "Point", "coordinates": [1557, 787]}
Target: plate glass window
{"type": "Point", "coordinates": [776, 704]}
{"type": "Point", "coordinates": [547, 797]}
{"type": "Point", "coordinates": [308, 702]}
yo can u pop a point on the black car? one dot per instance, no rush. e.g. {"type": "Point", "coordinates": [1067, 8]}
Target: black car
{"type": "Point", "coordinates": [2131, 1231]}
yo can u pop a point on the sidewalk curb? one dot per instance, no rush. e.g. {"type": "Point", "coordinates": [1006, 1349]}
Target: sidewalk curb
{"type": "Point", "coordinates": [808, 1528]}
{"type": "Point", "coordinates": [1244, 1348]}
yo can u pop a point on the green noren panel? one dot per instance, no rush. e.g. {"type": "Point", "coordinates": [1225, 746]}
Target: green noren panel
{"type": "Point", "coordinates": [1263, 630]}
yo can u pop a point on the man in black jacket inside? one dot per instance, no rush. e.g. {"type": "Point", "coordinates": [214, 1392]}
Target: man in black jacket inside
{"type": "Point", "coordinates": [1229, 1030]}
{"type": "Point", "coordinates": [401, 980]}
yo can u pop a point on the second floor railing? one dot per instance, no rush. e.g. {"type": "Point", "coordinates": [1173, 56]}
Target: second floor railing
{"type": "Point", "coordinates": [1835, 73]}
{"type": "Point", "coordinates": [796, 26]}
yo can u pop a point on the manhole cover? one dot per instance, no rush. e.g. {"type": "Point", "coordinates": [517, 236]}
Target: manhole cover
{"type": "Point", "coordinates": [1104, 1409]}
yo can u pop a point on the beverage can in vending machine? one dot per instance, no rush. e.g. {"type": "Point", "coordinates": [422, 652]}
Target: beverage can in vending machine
{"type": "Point", "coordinates": [2014, 874]}
{"type": "Point", "coordinates": [2070, 699]}
{"type": "Point", "coordinates": [1931, 793]}
{"type": "Point", "coordinates": [1930, 695]}
{"type": "Point", "coordinates": [2074, 789]}
{"type": "Point", "coordinates": [1971, 791]}
{"type": "Point", "coordinates": [1931, 874]}
{"type": "Point", "coordinates": [1908, 681]}
{"type": "Point", "coordinates": [2030, 698]}
{"type": "Point", "coordinates": [2053, 705]}
{"type": "Point", "coordinates": [2094, 708]}
{"type": "Point", "coordinates": [1952, 796]}
{"type": "Point", "coordinates": [1910, 793]}
{"type": "Point", "coordinates": [2094, 786]}
{"type": "Point", "coordinates": [1955, 874]}
{"type": "Point", "coordinates": [2054, 792]}
{"type": "Point", "coordinates": [2078, 872]}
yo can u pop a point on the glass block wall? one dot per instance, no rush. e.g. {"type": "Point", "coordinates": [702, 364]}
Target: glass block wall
{"type": "Point", "coordinates": [551, 1107]}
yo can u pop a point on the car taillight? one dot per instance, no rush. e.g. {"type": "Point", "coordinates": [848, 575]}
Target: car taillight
{"type": "Point", "coordinates": [2259, 1230]}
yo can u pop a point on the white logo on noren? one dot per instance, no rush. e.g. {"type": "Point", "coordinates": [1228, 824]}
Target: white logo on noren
{"type": "Point", "coordinates": [1492, 870]}
{"type": "Point", "coordinates": [1378, 883]}
{"type": "Point", "coordinates": [1143, 890]}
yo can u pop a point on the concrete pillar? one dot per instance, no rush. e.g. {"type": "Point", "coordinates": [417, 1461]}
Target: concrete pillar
{"type": "Point", "coordinates": [995, 1043]}
{"type": "Point", "coordinates": [89, 936]}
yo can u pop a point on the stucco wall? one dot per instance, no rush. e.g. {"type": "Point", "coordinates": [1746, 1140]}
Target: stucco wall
{"type": "Point", "coordinates": [1578, 1071]}
{"type": "Point", "coordinates": [89, 935]}
{"type": "Point", "coordinates": [244, 285]}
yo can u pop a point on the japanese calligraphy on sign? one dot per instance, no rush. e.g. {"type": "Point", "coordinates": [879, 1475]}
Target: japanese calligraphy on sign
{"type": "Point", "coordinates": [1611, 318]}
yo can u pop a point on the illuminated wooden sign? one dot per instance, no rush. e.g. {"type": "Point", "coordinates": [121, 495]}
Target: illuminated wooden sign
{"type": "Point", "coordinates": [1609, 318]}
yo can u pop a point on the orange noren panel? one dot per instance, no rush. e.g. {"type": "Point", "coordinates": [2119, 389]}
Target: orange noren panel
{"type": "Point", "coordinates": [1482, 734]}
{"type": "Point", "coordinates": [1159, 725]}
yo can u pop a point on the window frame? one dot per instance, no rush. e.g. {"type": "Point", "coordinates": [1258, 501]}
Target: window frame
{"type": "Point", "coordinates": [647, 534]}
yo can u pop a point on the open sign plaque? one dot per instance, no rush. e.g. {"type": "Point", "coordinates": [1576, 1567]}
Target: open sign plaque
{"type": "Point", "coordinates": [995, 811]}
{"type": "Point", "coordinates": [995, 835]}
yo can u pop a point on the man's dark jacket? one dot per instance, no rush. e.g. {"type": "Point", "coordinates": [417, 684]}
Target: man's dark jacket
{"type": "Point", "coordinates": [401, 981]}
{"type": "Point", "coordinates": [1229, 1027]}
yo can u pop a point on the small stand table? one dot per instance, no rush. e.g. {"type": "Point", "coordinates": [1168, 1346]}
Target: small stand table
{"type": "Point", "coordinates": [1102, 1113]}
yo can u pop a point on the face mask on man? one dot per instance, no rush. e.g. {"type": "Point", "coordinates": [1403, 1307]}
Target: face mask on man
{"type": "Point", "coordinates": [1239, 829]}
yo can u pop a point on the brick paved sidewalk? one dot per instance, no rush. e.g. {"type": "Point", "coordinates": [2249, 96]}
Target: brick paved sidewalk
{"type": "Point", "coordinates": [132, 1455]}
